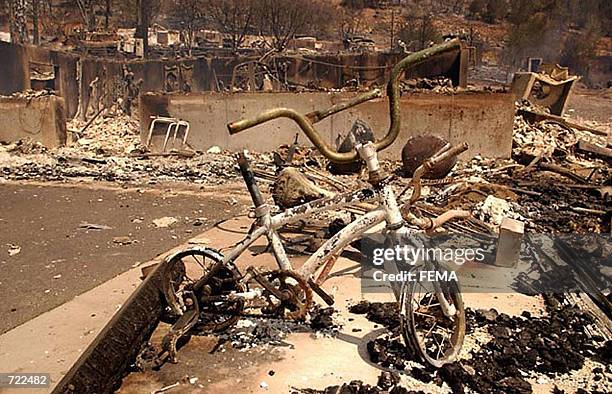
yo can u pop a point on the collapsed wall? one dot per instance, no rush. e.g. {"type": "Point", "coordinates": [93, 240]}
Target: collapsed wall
{"type": "Point", "coordinates": [41, 119]}
{"type": "Point", "coordinates": [88, 83]}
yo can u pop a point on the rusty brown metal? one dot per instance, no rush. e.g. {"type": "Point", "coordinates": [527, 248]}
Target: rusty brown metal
{"type": "Point", "coordinates": [326, 270]}
{"type": "Point", "coordinates": [432, 163]}
{"type": "Point", "coordinates": [420, 148]}
{"type": "Point", "coordinates": [319, 115]}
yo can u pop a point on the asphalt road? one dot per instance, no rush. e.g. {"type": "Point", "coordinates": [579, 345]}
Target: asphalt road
{"type": "Point", "coordinates": [48, 255]}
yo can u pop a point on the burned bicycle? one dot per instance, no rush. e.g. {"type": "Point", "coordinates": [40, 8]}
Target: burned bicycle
{"type": "Point", "coordinates": [204, 289]}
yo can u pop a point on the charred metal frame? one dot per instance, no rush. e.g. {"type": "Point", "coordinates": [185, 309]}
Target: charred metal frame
{"type": "Point", "coordinates": [268, 225]}
{"type": "Point", "coordinates": [387, 209]}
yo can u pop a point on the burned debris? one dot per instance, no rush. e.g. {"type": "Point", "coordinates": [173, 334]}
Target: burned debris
{"type": "Point", "coordinates": [346, 149]}
{"type": "Point", "coordinates": [520, 348]}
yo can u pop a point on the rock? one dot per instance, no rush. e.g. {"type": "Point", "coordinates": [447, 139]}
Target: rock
{"type": "Point", "coordinates": [214, 150]}
{"type": "Point", "coordinates": [13, 249]}
{"type": "Point", "coordinates": [123, 240]}
{"type": "Point", "coordinates": [292, 188]}
{"type": "Point", "coordinates": [165, 221]}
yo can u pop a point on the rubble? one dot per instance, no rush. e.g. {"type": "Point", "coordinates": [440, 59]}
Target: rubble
{"type": "Point", "coordinates": [494, 210]}
{"type": "Point", "coordinates": [109, 150]}
{"type": "Point", "coordinates": [520, 349]}
{"type": "Point", "coordinates": [256, 331]}
{"type": "Point", "coordinates": [557, 180]}
{"type": "Point", "coordinates": [388, 383]}
{"type": "Point", "coordinates": [439, 84]}
{"type": "Point", "coordinates": [109, 134]}
{"type": "Point", "coordinates": [385, 313]}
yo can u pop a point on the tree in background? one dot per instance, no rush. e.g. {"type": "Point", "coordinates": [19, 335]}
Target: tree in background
{"type": "Point", "coordinates": [418, 31]}
{"type": "Point", "coordinates": [581, 47]}
{"type": "Point", "coordinates": [350, 21]}
{"type": "Point", "coordinates": [234, 18]}
{"type": "Point", "coordinates": [543, 28]}
{"type": "Point", "coordinates": [489, 11]}
{"type": "Point", "coordinates": [189, 16]}
{"type": "Point", "coordinates": [283, 19]}
{"type": "Point", "coordinates": [360, 4]}
{"type": "Point", "coordinates": [87, 10]}
{"type": "Point", "coordinates": [18, 18]}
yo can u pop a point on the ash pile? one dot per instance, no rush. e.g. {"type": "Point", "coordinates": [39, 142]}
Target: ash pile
{"type": "Point", "coordinates": [109, 149]}
{"type": "Point", "coordinates": [510, 353]}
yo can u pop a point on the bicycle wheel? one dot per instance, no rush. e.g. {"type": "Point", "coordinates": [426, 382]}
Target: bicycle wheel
{"type": "Point", "coordinates": [429, 334]}
{"type": "Point", "coordinates": [216, 312]}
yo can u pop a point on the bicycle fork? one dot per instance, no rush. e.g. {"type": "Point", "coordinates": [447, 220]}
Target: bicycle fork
{"type": "Point", "coordinates": [396, 231]}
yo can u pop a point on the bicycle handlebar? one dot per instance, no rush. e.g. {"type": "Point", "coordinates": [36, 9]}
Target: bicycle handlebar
{"type": "Point", "coordinates": [393, 92]}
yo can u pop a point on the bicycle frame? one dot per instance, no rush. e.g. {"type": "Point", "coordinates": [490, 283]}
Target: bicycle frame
{"type": "Point", "coordinates": [268, 226]}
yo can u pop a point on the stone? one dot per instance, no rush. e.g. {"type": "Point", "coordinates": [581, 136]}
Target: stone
{"type": "Point", "coordinates": [509, 243]}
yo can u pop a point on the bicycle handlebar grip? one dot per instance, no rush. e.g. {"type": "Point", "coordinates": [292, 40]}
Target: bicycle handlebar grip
{"type": "Point", "coordinates": [238, 126]}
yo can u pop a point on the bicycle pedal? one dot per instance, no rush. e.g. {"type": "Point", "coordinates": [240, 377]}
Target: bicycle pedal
{"type": "Point", "coordinates": [329, 300]}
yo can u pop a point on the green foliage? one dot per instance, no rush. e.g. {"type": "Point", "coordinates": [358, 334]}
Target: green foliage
{"type": "Point", "coordinates": [547, 29]}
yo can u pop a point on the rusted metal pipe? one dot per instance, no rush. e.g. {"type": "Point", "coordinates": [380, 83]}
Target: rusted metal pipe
{"type": "Point", "coordinates": [429, 224]}
{"type": "Point", "coordinates": [305, 125]}
{"type": "Point", "coordinates": [393, 92]}
{"type": "Point", "coordinates": [319, 115]}
{"type": "Point", "coordinates": [429, 164]}
{"type": "Point", "coordinates": [449, 215]}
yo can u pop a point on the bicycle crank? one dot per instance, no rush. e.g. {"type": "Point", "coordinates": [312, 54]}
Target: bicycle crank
{"type": "Point", "coordinates": [286, 292]}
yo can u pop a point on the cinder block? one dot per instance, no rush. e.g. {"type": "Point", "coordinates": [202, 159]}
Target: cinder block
{"type": "Point", "coordinates": [509, 243]}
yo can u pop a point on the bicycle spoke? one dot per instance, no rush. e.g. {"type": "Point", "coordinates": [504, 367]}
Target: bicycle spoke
{"type": "Point", "coordinates": [424, 314]}
{"type": "Point", "coordinates": [437, 336]}
{"type": "Point", "coordinates": [431, 329]}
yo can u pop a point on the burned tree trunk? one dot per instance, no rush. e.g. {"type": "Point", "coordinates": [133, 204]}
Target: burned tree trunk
{"type": "Point", "coordinates": [107, 14]}
{"type": "Point", "coordinates": [144, 19]}
{"type": "Point", "coordinates": [35, 21]}
{"type": "Point", "coordinates": [88, 14]}
{"type": "Point", "coordinates": [18, 12]}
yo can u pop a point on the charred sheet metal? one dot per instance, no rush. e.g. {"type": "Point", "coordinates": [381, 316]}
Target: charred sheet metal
{"type": "Point", "coordinates": [105, 362]}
